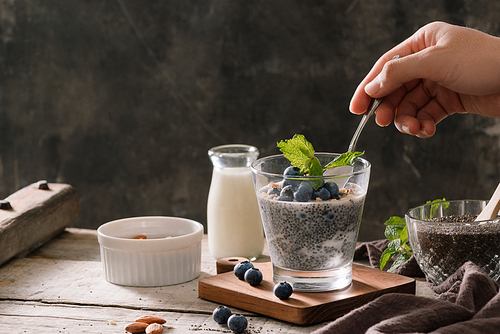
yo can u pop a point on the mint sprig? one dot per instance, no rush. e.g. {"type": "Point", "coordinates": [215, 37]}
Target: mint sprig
{"type": "Point", "coordinates": [397, 232]}
{"type": "Point", "coordinates": [300, 152]}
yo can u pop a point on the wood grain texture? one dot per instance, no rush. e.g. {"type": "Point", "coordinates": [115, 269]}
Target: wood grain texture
{"type": "Point", "coordinates": [303, 308]}
{"type": "Point", "coordinates": [36, 216]}
{"type": "Point", "coordinates": [59, 288]}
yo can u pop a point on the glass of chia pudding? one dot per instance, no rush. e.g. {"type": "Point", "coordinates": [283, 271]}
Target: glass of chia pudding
{"type": "Point", "coordinates": [311, 222]}
{"type": "Point", "coordinates": [444, 236]}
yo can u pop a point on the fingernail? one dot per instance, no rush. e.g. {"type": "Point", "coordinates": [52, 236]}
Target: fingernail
{"type": "Point", "coordinates": [372, 87]}
{"type": "Point", "coordinates": [423, 132]}
{"type": "Point", "coordinates": [405, 129]}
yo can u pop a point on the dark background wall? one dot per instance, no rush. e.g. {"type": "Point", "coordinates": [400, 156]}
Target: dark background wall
{"type": "Point", "coordinates": [122, 98]}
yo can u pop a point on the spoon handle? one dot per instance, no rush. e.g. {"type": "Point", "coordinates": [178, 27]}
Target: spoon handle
{"type": "Point", "coordinates": [374, 103]}
{"type": "Point", "coordinates": [371, 109]}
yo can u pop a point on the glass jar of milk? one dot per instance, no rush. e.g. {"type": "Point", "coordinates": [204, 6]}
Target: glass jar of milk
{"type": "Point", "coordinates": [233, 216]}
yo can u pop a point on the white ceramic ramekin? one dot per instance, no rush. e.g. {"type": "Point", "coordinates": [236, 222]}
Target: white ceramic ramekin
{"type": "Point", "coordinates": [171, 254]}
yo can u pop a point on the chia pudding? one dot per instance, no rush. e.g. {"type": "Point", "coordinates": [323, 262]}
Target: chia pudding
{"type": "Point", "coordinates": [443, 248]}
{"type": "Point", "coordinates": [314, 235]}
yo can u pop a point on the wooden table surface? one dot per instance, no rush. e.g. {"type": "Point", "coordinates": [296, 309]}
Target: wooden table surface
{"type": "Point", "coordinates": [59, 288]}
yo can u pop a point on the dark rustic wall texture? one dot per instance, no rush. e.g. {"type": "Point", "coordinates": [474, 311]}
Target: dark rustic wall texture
{"type": "Point", "coordinates": [123, 98]}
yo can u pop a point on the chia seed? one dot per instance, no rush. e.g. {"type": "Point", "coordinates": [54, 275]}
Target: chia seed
{"type": "Point", "coordinates": [315, 235]}
{"type": "Point", "coordinates": [442, 249]}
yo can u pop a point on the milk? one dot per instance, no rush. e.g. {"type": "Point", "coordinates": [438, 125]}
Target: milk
{"type": "Point", "coordinates": [233, 216]}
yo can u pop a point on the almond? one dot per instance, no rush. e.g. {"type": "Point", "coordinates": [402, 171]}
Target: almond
{"type": "Point", "coordinates": [150, 319]}
{"type": "Point", "coordinates": [136, 327]}
{"type": "Point", "coordinates": [154, 329]}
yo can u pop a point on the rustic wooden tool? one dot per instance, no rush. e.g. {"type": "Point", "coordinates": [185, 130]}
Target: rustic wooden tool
{"type": "Point", "coordinates": [34, 215]}
{"type": "Point", "coordinates": [303, 308]}
{"type": "Point", "coordinates": [492, 208]}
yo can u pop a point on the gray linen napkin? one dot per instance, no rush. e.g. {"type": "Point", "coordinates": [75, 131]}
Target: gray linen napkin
{"type": "Point", "coordinates": [469, 302]}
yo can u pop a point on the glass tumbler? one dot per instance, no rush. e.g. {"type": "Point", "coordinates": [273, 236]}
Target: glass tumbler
{"type": "Point", "coordinates": [311, 243]}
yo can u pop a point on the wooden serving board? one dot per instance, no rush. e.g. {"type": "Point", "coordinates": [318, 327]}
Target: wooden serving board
{"type": "Point", "coordinates": [303, 308]}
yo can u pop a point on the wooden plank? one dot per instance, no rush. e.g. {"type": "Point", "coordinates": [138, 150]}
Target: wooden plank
{"type": "Point", "coordinates": [35, 318]}
{"type": "Point", "coordinates": [303, 308]}
{"type": "Point", "coordinates": [36, 216]}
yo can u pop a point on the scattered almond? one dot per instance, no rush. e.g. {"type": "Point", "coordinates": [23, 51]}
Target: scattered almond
{"type": "Point", "coordinates": [149, 319]}
{"type": "Point", "coordinates": [154, 329]}
{"type": "Point", "coordinates": [136, 327]}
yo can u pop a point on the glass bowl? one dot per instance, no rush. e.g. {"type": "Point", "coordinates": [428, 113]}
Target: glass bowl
{"type": "Point", "coordinates": [444, 236]}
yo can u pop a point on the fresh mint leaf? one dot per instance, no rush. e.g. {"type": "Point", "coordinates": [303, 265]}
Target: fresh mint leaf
{"type": "Point", "coordinates": [403, 235]}
{"type": "Point", "coordinates": [300, 152]}
{"type": "Point", "coordinates": [396, 221]}
{"type": "Point", "coordinates": [436, 204]}
{"type": "Point", "coordinates": [392, 249]}
{"type": "Point", "coordinates": [397, 232]}
{"type": "Point", "coordinates": [402, 258]}
{"type": "Point", "coordinates": [344, 159]}
{"type": "Point", "coordinates": [391, 232]}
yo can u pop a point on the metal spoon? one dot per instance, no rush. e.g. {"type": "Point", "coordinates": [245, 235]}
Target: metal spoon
{"type": "Point", "coordinates": [374, 104]}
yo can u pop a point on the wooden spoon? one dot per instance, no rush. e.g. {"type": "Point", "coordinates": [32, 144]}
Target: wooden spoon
{"type": "Point", "coordinates": [491, 209]}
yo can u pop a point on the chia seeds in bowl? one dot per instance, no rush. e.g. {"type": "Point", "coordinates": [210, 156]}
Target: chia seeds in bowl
{"type": "Point", "coordinates": [450, 237]}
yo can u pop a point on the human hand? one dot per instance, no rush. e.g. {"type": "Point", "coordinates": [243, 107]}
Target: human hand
{"type": "Point", "coordinates": [443, 69]}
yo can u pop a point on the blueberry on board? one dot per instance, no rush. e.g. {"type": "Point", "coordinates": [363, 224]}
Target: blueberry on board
{"type": "Point", "coordinates": [304, 192]}
{"type": "Point", "coordinates": [237, 323]}
{"type": "Point", "coordinates": [283, 290]}
{"type": "Point", "coordinates": [241, 268]}
{"type": "Point", "coordinates": [286, 194]}
{"type": "Point", "coordinates": [221, 314]}
{"type": "Point", "coordinates": [333, 188]}
{"type": "Point", "coordinates": [322, 193]}
{"type": "Point", "coordinates": [253, 276]}
{"type": "Point", "coordinates": [274, 191]}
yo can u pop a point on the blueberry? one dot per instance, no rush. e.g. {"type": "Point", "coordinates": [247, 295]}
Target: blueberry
{"type": "Point", "coordinates": [291, 182]}
{"type": "Point", "coordinates": [237, 323]}
{"type": "Point", "coordinates": [329, 215]}
{"type": "Point", "coordinates": [292, 170]}
{"type": "Point", "coordinates": [253, 276]}
{"type": "Point", "coordinates": [333, 188]}
{"type": "Point", "coordinates": [286, 194]}
{"type": "Point", "coordinates": [322, 193]}
{"type": "Point", "coordinates": [221, 314]}
{"type": "Point", "coordinates": [241, 268]}
{"type": "Point", "coordinates": [283, 290]}
{"type": "Point", "coordinates": [304, 192]}
{"type": "Point", "coordinates": [274, 191]}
